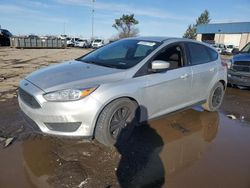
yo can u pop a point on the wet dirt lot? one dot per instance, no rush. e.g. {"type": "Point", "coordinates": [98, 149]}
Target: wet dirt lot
{"type": "Point", "coordinates": [193, 148]}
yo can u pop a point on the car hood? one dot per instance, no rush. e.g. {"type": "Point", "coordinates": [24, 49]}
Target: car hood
{"type": "Point", "coordinates": [242, 57]}
{"type": "Point", "coordinates": [73, 74]}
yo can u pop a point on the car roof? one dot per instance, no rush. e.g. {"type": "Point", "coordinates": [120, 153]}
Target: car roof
{"type": "Point", "coordinates": [163, 39]}
{"type": "Point", "coordinates": [153, 38]}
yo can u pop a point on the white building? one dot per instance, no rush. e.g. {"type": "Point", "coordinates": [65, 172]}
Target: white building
{"type": "Point", "coordinates": [237, 33]}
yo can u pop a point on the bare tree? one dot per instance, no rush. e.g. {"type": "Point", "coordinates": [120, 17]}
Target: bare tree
{"type": "Point", "coordinates": [125, 25]}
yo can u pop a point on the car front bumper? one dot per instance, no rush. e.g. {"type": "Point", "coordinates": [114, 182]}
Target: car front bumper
{"type": "Point", "coordinates": [74, 119]}
{"type": "Point", "coordinates": [239, 78]}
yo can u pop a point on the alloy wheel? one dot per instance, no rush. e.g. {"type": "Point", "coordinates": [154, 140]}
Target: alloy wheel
{"type": "Point", "coordinates": [119, 120]}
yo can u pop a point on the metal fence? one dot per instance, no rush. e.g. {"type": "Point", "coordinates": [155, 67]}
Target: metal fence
{"type": "Point", "coordinates": [28, 42]}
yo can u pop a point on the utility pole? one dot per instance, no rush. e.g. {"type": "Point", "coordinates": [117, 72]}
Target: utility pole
{"type": "Point", "coordinates": [64, 28]}
{"type": "Point", "coordinates": [93, 11]}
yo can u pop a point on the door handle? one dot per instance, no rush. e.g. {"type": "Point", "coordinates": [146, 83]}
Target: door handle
{"type": "Point", "coordinates": [184, 76]}
{"type": "Point", "coordinates": [212, 69]}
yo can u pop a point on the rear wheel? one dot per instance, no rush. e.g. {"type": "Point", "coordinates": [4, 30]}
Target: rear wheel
{"type": "Point", "coordinates": [116, 122]}
{"type": "Point", "coordinates": [215, 98]}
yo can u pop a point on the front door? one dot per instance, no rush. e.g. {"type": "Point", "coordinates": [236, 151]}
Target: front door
{"type": "Point", "coordinates": [170, 90]}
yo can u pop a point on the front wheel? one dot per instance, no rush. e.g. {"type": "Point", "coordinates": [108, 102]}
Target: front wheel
{"type": "Point", "coordinates": [215, 98]}
{"type": "Point", "coordinates": [116, 122]}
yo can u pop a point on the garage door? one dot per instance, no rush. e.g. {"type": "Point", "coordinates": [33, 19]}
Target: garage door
{"type": "Point", "coordinates": [232, 39]}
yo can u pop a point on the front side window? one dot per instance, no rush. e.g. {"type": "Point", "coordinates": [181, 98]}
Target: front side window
{"type": "Point", "coordinates": [198, 53]}
{"type": "Point", "coordinates": [121, 54]}
{"type": "Point", "coordinates": [172, 55]}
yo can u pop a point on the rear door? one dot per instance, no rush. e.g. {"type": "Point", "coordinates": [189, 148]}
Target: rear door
{"type": "Point", "coordinates": [204, 69]}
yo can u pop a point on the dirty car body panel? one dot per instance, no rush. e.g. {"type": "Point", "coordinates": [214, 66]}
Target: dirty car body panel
{"type": "Point", "coordinates": [159, 92]}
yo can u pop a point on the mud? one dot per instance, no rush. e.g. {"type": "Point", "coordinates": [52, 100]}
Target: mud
{"type": "Point", "coordinates": [193, 148]}
{"type": "Point", "coordinates": [15, 64]}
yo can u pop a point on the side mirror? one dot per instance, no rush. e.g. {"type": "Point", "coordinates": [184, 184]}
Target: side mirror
{"type": "Point", "coordinates": [235, 51]}
{"type": "Point", "coordinates": [159, 65]}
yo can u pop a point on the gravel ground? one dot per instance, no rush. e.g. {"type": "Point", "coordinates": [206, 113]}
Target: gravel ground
{"type": "Point", "coordinates": [17, 63]}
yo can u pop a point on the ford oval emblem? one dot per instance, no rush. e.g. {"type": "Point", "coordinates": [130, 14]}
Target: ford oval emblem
{"type": "Point", "coordinates": [26, 84]}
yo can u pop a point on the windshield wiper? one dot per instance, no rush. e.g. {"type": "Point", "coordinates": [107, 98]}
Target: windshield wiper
{"type": "Point", "coordinates": [107, 65]}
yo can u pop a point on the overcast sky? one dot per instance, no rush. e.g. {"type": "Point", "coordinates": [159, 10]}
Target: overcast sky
{"type": "Point", "coordinates": [156, 17]}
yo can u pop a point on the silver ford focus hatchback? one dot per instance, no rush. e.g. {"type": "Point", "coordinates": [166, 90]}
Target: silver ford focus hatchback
{"type": "Point", "coordinates": [106, 92]}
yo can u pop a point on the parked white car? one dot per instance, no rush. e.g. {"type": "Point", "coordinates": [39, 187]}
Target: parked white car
{"type": "Point", "coordinates": [81, 43]}
{"type": "Point", "coordinates": [229, 49]}
{"type": "Point", "coordinates": [69, 41]}
{"type": "Point", "coordinates": [219, 47]}
{"type": "Point", "coordinates": [97, 43]}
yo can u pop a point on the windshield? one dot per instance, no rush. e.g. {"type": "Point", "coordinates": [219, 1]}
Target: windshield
{"type": "Point", "coordinates": [121, 54]}
{"type": "Point", "coordinates": [5, 32]}
{"type": "Point", "coordinates": [246, 49]}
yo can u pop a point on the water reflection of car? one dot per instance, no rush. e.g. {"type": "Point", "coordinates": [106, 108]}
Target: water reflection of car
{"type": "Point", "coordinates": [186, 137]}
{"type": "Point", "coordinates": [239, 68]}
{"type": "Point", "coordinates": [5, 37]}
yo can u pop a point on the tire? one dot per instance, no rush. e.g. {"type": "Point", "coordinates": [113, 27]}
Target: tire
{"type": "Point", "coordinates": [114, 113]}
{"type": "Point", "coordinates": [215, 98]}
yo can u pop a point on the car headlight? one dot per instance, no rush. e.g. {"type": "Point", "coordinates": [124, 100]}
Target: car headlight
{"type": "Point", "coordinates": [229, 63]}
{"type": "Point", "coordinates": [68, 94]}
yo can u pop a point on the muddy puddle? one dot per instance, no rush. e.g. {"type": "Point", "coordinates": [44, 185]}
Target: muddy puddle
{"type": "Point", "coordinates": [188, 149]}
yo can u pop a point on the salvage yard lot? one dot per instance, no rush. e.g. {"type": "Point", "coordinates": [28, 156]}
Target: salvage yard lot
{"type": "Point", "coordinates": [192, 148]}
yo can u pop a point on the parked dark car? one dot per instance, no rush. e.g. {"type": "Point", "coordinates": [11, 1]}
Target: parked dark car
{"type": "Point", "coordinates": [239, 68]}
{"type": "Point", "coordinates": [5, 37]}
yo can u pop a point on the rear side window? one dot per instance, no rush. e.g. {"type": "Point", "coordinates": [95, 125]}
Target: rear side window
{"type": "Point", "coordinates": [213, 54]}
{"type": "Point", "coordinates": [198, 54]}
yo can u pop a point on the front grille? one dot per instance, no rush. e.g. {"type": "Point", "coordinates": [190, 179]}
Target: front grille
{"type": "Point", "coordinates": [244, 63]}
{"type": "Point", "coordinates": [241, 68]}
{"type": "Point", "coordinates": [28, 99]}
